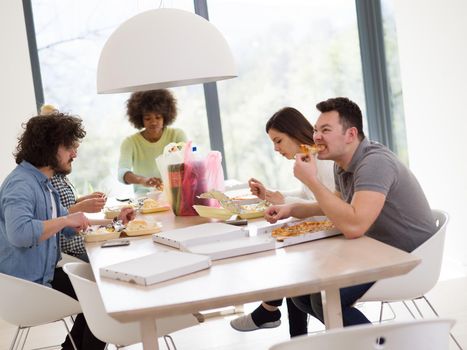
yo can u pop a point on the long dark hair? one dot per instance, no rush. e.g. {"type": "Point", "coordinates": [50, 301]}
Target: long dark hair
{"type": "Point", "coordinates": [43, 135]}
{"type": "Point", "coordinates": [290, 121]}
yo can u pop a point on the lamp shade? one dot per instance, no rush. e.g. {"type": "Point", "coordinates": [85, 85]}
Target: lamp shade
{"type": "Point", "coordinates": [163, 48]}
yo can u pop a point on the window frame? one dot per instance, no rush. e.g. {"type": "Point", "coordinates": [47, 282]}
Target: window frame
{"type": "Point", "coordinates": [375, 79]}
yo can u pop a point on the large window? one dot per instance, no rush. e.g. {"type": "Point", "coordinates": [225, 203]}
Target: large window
{"type": "Point", "coordinates": [70, 35]}
{"type": "Point", "coordinates": [394, 79]}
{"type": "Point", "coordinates": [294, 53]}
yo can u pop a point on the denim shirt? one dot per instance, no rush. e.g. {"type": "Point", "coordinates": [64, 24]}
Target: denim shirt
{"type": "Point", "coordinates": [25, 203]}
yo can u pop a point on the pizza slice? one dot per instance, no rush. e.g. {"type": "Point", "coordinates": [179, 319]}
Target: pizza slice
{"type": "Point", "coordinates": [302, 228]}
{"type": "Point", "coordinates": [311, 149]}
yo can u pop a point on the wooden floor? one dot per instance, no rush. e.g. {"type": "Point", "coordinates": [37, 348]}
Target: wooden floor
{"type": "Point", "coordinates": [448, 297]}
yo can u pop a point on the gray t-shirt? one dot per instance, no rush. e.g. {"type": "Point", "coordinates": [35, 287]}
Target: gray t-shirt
{"type": "Point", "coordinates": [406, 220]}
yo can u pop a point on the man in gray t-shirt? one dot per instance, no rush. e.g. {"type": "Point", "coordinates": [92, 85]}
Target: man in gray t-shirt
{"type": "Point", "coordinates": [405, 220]}
{"type": "Point", "coordinates": [376, 195]}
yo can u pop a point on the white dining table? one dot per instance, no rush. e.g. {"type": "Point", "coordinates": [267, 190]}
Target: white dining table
{"type": "Point", "coordinates": [320, 266]}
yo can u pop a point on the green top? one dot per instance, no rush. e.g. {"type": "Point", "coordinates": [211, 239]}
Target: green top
{"type": "Point", "coordinates": [138, 155]}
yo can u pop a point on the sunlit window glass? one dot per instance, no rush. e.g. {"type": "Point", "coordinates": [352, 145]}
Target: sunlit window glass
{"type": "Point", "coordinates": [394, 78]}
{"type": "Point", "coordinates": [70, 36]}
{"type": "Point", "coordinates": [289, 53]}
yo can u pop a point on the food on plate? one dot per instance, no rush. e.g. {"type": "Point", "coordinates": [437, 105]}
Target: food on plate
{"type": "Point", "coordinates": [302, 228]}
{"type": "Point", "coordinates": [99, 230]}
{"type": "Point", "coordinates": [106, 229]}
{"type": "Point", "coordinates": [311, 149]}
{"type": "Point", "coordinates": [140, 227]}
{"type": "Point", "coordinates": [100, 233]}
{"type": "Point", "coordinates": [150, 203]}
{"type": "Point", "coordinates": [136, 225]}
{"type": "Point", "coordinates": [257, 207]}
{"type": "Point", "coordinates": [246, 199]}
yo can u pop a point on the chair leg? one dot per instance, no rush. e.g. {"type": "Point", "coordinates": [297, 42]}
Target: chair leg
{"type": "Point", "coordinates": [26, 329]}
{"type": "Point", "coordinates": [381, 309]}
{"type": "Point", "coordinates": [69, 334]}
{"type": "Point", "coordinates": [21, 335]}
{"type": "Point", "coordinates": [431, 306]}
{"type": "Point", "coordinates": [408, 309]}
{"type": "Point", "coordinates": [434, 311]}
{"type": "Point", "coordinates": [392, 311]}
{"type": "Point", "coordinates": [417, 308]}
{"type": "Point", "coordinates": [171, 341]}
{"type": "Point", "coordinates": [12, 346]}
{"type": "Point", "coordinates": [381, 306]}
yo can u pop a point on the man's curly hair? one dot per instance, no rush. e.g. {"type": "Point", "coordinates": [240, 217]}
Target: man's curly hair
{"type": "Point", "coordinates": [153, 101]}
{"type": "Point", "coordinates": [42, 136]}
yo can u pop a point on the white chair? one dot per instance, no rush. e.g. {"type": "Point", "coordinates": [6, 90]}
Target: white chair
{"type": "Point", "coordinates": [66, 258]}
{"type": "Point", "coordinates": [412, 335]}
{"type": "Point", "coordinates": [27, 304]}
{"type": "Point", "coordinates": [105, 327]}
{"type": "Point", "coordinates": [415, 284]}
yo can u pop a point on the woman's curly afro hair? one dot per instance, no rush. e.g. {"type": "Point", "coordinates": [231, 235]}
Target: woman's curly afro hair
{"type": "Point", "coordinates": [153, 101]}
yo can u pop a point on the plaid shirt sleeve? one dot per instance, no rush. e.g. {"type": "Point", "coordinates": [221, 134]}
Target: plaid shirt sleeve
{"type": "Point", "coordinates": [74, 245]}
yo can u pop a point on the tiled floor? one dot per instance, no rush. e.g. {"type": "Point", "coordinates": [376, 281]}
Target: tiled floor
{"type": "Point", "coordinates": [447, 297]}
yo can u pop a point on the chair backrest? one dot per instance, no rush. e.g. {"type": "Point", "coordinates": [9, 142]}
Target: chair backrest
{"type": "Point", "coordinates": [67, 259]}
{"type": "Point", "coordinates": [101, 324]}
{"type": "Point", "coordinates": [25, 303]}
{"type": "Point", "coordinates": [422, 278]}
{"type": "Point", "coordinates": [420, 334]}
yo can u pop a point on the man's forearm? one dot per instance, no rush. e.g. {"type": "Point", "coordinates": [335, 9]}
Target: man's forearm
{"type": "Point", "coordinates": [331, 204]}
{"type": "Point", "coordinates": [52, 226]}
{"type": "Point", "coordinates": [305, 210]}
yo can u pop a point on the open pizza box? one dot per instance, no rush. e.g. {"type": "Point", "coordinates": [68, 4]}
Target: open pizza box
{"type": "Point", "coordinates": [294, 231]}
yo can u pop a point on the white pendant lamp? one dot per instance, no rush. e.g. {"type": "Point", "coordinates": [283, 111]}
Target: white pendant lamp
{"type": "Point", "coordinates": [163, 48]}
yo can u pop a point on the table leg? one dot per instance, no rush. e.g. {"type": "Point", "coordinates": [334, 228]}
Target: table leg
{"type": "Point", "coordinates": [149, 334]}
{"type": "Point", "coordinates": [332, 309]}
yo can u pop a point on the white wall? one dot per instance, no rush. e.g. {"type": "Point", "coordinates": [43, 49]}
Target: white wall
{"type": "Point", "coordinates": [17, 99]}
{"type": "Point", "coordinates": [432, 37]}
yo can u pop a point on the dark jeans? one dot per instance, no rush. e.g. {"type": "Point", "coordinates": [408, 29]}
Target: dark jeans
{"type": "Point", "coordinates": [298, 320]}
{"type": "Point", "coordinates": [313, 305]}
{"type": "Point", "coordinates": [80, 332]}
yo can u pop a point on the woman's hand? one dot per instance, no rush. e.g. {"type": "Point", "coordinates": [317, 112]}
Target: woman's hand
{"type": "Point", "coordinates": [91, 196]}
{"type": "Point", "coordinates": [274, 197]}
{"type": "Point", "coordinates": [126, 214]}
{"type": "Point", "coordinates": [257, 188]}
{"type": "Point", "coordinates": [277, 212]}
{"type": "Point", "coordinates": [152, 182]}
{"type": "Point", "coordinates": [90, 205]}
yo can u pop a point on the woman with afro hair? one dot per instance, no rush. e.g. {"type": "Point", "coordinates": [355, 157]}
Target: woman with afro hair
{"type": "Point", "coordinates": [151, 112]}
